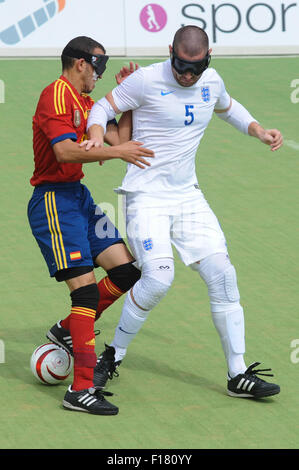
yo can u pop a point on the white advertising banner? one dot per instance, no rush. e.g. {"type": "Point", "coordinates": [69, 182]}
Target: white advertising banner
{"type": "Point", "coordinates": [238, 26]}
{"type": "Point", "coordinates": [44, 27]}
{"type": "Point", "coordinates": [137, 27]}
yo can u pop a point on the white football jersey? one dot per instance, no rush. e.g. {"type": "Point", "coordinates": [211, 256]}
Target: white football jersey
{"type": "Point", "coordinates": [170, 120]}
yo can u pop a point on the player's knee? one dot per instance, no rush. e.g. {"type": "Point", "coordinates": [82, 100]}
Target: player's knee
{"type": "Point", "coordinates": [220, 277]}
{"type": "Point", "coordinates": [160, 269]}
{"type": "Point", "coordinates": [156, 279]}
{"type": "Point", "coordinates": [124, 276]}
{"type": "Point", "coordinates": [148, 292]}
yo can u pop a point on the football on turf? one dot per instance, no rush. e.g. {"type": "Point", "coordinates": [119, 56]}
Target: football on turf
{"type": "Point", "coordinates": [51, 364]}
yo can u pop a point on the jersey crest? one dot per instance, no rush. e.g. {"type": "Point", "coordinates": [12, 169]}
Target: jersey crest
{"type": "Point", "coordinates": [77, 118]}
{"type": "Point", "coordinates": [205, 93]}
{"type": "Point", "coordinates": [147, 244]}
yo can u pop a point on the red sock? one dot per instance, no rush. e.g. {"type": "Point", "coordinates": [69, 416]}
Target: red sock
{"type": "Point", "coordinates": [66, 323]}
{"type": "Point", "coordinates": [109, 293]}
{"type": "Point", "coordinates": [81, 325]}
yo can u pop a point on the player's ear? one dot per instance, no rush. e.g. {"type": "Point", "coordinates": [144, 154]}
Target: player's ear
{"type": "Point", "coordinates": [80, 64]}
{"type": "Point", "coordinates": [210, 51]}
{"type": "Point", "coordinates": [170, 49]}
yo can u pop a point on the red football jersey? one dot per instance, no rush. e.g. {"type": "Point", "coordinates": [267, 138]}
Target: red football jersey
{"type": "Point", "coordinates": [61, 114]}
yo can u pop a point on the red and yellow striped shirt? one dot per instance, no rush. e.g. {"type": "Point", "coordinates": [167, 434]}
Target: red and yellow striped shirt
{"type": "Point", "coordinates": [61, 114]}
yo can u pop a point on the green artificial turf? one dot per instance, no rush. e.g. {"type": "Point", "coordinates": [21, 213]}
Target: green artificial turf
{"type": "Point", "coordinates": [171, 390]}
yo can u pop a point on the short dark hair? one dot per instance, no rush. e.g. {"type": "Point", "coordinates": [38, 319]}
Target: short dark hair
{"type": "Point", "coordinates": [191, 39]}
{"type": "Point", "coordinates": [81, 43]}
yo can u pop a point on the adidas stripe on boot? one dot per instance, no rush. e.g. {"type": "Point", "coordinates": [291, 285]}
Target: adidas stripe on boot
{"type": "Point", "coordinates": [248, 385]}
{"type": "Point", "coordinates": [91, 400]}
{"type": "Point", "coordinates": [60, 336]}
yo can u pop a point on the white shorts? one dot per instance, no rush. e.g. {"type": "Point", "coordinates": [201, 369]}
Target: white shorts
{"type": "Point", "coordinates": [155, 225]}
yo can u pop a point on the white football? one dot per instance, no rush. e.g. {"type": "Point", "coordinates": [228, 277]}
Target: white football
{"type": "Point", "coordinates": [51, 364]}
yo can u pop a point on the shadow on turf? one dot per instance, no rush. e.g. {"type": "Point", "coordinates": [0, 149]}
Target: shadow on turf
{"type": "Point", "coordinates": [17, 366]}
{"type": "Point", "coordinates": [20, 371]}
{"type": "Point", "coordinates": [154, 368]}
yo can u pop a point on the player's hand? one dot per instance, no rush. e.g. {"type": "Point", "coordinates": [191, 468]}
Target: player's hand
{"type": "Point", "coordinates": [133, 152]}
{"type": "Point", "coordinates": [94, 142]}
{"type": "Point", "coordinates": [125, 72]}
{"type": "Point", "coordinates": [273, 138]}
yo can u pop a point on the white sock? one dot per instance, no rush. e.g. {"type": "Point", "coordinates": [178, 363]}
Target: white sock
{"type": "Point", "coordinates": [119, 352]}
{"type": "Point", "coordinates": [131, 320]}
{"type": "Point", "coordinates": [227, 313]}
{"type": "Point", "coordinates": [236, 364]}
{"type": "Point", "coordinates": [230, 327]}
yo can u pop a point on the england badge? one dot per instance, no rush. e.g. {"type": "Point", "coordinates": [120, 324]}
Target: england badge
{"type": "Point", "coordinates": [147, 244]}
{"type": "Point", "coordinates": [205, 93]}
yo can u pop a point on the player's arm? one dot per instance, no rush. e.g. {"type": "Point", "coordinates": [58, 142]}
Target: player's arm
{"type": "Point", "coordinates": [239, 117]}
{"type": "Point", "coordinates": [236, 115]}
{"type": "Point", "coordinates": [106, 132]}
{"type": "Point", "coordinates": [125, 97]}
{"type": "Point", "coordinates": [101, 113]}
{"type": "Point", "coordinates": [112, 135]}
{"type": "Point", "coordinates": [68, 151]}
{"type": "Point", "coordinates": [125, 127]}
{"type": "Point", "coordinates": [271, 137]}
{"type": "Point", "coordinates": [120, 132]}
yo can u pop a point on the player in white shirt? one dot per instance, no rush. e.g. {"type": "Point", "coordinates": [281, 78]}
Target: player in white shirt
{"type": "Point", "coordinates": [172, 103]}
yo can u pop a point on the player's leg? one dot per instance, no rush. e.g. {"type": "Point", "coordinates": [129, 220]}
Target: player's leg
{"type": "Point", "coordinates": [108, 251]}
{"type": "Point", "coordinates": [227, 313]}
{"type": "Point", "coordinates": [199, 236]}
{"type": "Point", "coordinates": [82, 396]}
{"type": "Point", "coordinates": [59, 229]}
{"type": "Point", "coordinates": [121, 271]}
{"type": "Point", "coordinates": [148, 232]}
{"type": "Point", "coordinates": [84, 299]}
{"type": "Point", "coordinates": [156, 278]}
{"type": "Point", "coordinates": [63, 239]}
{"type": "Point", "coordinates": [148, 235]}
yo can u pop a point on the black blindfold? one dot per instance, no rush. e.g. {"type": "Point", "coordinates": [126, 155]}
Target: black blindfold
{"type": "Point", "coordinates": [197, 67]}
{"type": "Point", "coordinates": [98, 61]}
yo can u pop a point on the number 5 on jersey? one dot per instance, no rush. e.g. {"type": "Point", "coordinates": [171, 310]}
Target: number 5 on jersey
{"type": "Point", "coordinates": [189, 114]}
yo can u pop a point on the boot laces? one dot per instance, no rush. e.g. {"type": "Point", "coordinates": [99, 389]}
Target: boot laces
{"type": "Point", "coordinates": [251, 371]}
{"type": "Point", "coordinates": [99, 393]}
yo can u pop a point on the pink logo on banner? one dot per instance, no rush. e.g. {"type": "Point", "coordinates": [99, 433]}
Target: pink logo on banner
{"type": "Point", "coordinates": [153, 17]}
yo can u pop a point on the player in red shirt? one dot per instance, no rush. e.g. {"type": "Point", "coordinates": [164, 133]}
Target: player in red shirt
{"type": "Point", "coordinates": [61, 114]}
{"type": "Point", "coordinates": [63, 216]}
